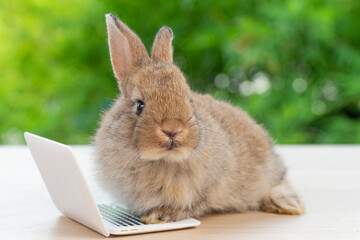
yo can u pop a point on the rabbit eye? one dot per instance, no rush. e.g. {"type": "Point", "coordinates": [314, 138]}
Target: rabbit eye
{"type": "Point", "coordinates": [140, 107]}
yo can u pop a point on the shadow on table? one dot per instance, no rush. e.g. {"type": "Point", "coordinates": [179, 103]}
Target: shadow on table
{"type": "Point", "coordinates": [67, 228]}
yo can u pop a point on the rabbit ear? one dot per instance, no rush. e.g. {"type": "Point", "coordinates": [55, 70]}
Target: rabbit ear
{"type": "Point", "coordinates": [162, 48]}
{"type": "Point", "coordinates": [127, 52]}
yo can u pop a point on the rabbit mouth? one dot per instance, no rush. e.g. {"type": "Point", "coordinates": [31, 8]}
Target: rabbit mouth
{"type": "Point", "coordinates": [171, 145]}
{"type": "Point", "coordinates": [172, 151]}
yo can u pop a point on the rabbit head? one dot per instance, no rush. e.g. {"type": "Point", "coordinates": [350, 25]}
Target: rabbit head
{"type": "Point", "coordinates": [155, 99]}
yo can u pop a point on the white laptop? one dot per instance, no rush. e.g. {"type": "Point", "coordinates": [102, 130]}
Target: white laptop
{"type": "Point", "coordinates": [71, 195]}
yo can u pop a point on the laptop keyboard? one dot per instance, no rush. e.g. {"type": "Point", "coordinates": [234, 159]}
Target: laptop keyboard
{"type": "Point", "coordinates": [118, 216]}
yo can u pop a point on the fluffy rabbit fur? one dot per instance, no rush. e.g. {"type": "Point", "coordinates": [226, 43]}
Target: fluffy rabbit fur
{"type": "Point", "coordinates": [185, 154]}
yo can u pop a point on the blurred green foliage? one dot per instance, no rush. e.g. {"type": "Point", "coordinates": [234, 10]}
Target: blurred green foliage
{"type": "Point", "coordinates": [294, 65]}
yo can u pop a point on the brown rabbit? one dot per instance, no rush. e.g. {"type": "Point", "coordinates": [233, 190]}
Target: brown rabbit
{"type": "Point", "coordinates": [171, 153]}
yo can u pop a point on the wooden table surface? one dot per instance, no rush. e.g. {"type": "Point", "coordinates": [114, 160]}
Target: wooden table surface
{"type": "Point", "coordinates": [326, 176]}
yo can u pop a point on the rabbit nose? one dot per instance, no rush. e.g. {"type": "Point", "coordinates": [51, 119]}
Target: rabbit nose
{"type": "Point", "coordinates": [171, 135]}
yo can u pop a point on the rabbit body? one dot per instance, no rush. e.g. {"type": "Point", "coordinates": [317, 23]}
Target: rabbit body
{"type": "Point", "coordinates": [184, 154]}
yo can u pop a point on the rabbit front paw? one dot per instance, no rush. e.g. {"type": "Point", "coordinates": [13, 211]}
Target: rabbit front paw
{"type": "Point", "coordinates": [162, 215]}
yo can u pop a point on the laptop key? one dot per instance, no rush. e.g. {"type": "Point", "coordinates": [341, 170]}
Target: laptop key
{"type": "Point", "coordinates": [118, 216]}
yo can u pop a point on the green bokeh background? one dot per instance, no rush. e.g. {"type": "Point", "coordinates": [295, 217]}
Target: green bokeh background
{"type": "Point", "coordinates": [294, 65]}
